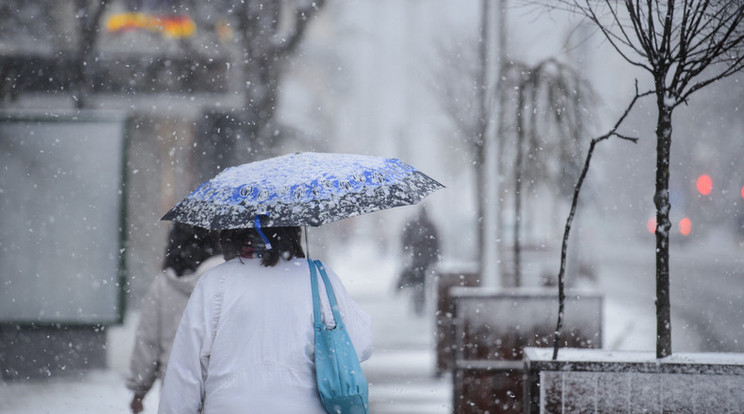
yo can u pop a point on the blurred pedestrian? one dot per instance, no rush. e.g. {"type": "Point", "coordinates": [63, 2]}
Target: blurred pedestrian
{"type": "Point", "coordinates": [246, 339]}
{"type": "Point", "coordinates": [190, 252]}
{"type": "Point", "coordinates": [420, 241]}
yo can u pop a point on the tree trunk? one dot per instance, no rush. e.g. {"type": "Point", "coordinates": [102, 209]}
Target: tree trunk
{"type": "Point", "coordinates": [517, 277]}
{"type": "Point", "coordinates": [518, 166]}
{"type": "Point", "coordinates": [81, 89]}
{"type": "Point", "coordinates": [480, 177]}
{"type": "Point", "coordinates": [480, 141]}
{"type": "Point", "coordinates": [260, 106]}
{"type": "Point", "coordinates": [89, 22]}
{"type": "Point", "coordinates": [663, 226]}
{"type": "Point", "coordinates": [262, 66]}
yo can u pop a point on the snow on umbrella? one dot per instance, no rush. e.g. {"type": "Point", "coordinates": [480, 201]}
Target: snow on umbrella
{"type": "Point", "coordinates": [302, 189]}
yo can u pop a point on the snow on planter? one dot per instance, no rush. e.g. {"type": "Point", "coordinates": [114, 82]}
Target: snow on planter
{"type": "Point", "coordinates": [598, 381]}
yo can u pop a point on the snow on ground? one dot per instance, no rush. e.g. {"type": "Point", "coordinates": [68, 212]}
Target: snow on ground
{"type": "Point", "coordinates": [96, 391]}
{"type": "Point", "coordinates": [401, 371]}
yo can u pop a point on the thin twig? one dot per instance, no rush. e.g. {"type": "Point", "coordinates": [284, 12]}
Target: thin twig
{"type": "Point", "coordinates": [302, 15]}
{"type": "Point", "coordinates": [574, 203]}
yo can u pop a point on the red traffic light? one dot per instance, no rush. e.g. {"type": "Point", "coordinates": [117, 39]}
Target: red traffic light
{"type": "Point", "coordinates": [685, 226]}
{"type": "Point", "coordinates": [704, 184]}
{"type": "Point", "coordinates": [651, 225]}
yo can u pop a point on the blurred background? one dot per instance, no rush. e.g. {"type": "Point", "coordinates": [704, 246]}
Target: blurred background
{"type": "Point", "coordinates": [113, 111]}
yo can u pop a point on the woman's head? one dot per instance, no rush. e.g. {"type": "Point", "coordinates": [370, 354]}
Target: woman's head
{"type": "Point", "coordinates": [285, 242]}
{"type": "Point", "coordinates": [188, 247]}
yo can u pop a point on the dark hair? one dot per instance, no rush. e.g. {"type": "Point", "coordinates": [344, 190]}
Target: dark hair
{"type": "Point", "coordinates": [285, 241]}
{"type": "Point", "coordinates": [188, 247]}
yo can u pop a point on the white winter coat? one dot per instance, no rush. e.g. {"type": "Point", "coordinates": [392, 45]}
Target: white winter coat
{"type": "Point", "coordinates": [160, 314]}
{"type": "Point", "coordinates": [245, 342]}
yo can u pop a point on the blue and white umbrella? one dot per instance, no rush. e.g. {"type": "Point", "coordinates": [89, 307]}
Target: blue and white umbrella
{"type": "Point", "coordinates": [302, 189]}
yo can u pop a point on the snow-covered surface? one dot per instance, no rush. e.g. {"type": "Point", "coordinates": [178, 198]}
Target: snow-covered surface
{"type": "Point", "coordinates": [629, 382]}
{"type": "Point", "coordinates": [402, 370]}
{"type": "Point", "coordinates": [640, 392]}
{"type": "Point", "coordinates": [539, 291]}
{"type": "Point", "coordinates": [400, 373]}
{"type": "Point", "coordinates": [600, 355]}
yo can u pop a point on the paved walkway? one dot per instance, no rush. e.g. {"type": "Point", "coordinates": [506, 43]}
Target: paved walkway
{"type": "Point", "coordinates": [400, 372]}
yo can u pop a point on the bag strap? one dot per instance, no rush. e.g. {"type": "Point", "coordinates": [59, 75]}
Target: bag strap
{"type": "Point", "coordinates": [317, 320]}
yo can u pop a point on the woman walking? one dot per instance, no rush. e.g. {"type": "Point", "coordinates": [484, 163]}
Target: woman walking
{"type": "Point", "coordinates": [246, 340]}
{"type": "Point", "coordinates": [191, 251]}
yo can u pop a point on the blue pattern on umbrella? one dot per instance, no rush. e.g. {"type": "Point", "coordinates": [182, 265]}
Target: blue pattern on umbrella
{"type": "Point", "coordinates": [302, 189]}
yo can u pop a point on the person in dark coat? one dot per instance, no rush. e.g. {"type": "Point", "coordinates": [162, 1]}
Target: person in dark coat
{"type": "Point", "coordinates": [421, 253]}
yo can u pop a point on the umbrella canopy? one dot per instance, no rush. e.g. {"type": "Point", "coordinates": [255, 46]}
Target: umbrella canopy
{"type": "Point", "coordinates": [302, 189]}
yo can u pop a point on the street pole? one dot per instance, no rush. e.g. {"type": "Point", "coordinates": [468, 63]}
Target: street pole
{"type": "Point", "coordinates": [491, 54]}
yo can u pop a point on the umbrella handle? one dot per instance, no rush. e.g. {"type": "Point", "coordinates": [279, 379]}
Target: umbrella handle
{"type": "Point", "coordinates": [257, 223]}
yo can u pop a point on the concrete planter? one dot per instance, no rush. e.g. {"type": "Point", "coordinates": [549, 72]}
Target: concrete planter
{"type": "Point", "coordinates": [492, 327]}
{"type": "Point", "coordinates": [597, 381]}
{"type": "Point", "coordinates": [445, 326]}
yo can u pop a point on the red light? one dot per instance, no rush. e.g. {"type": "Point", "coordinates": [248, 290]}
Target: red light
{"type": "Point", "coordinates": [685, 226]}
{"type": "Point", "coordinates": [704, 184]}
{"type": "Point", "coordinates": [742, 192]}
{"type": "Point", "coordinates": [651, 225]}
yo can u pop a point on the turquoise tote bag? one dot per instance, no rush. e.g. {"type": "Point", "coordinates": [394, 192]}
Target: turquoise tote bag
{"type": "Point", "coordinates": [341, 382]}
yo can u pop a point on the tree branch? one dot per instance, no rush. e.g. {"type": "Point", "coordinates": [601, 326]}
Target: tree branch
{"type": "Point", "coordinates": [737, 66]}
{"type": "Point", "coordinates": [572, 213]}
{"type": "Point", "coordinates": [301, 18]}
{"type": "Point", "coordinates": [612, 37]}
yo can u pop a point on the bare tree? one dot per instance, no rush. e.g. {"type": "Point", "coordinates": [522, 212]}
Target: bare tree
{"type": "Point", "coordinates": [88, 15]}
{"type": "Point", "coordinates": [265, 33]}
{"type": "Point", "coordinates": [455, 80]}
{"type": "Point", "coordinates": [542, 117]}
{"type": "Point", "coordinates": [33, 33]}
{"type": "Point", "coordinates": [270, 33]}
{"type": "Point", "coordinates": [460, 78]}
{"type": "Point", "coordinates": [549, 120]}
{"type": "Point", "coordinates": [685, 45]}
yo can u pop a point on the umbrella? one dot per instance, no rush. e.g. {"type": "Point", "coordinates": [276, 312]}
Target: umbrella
{"type": "Point", "coordinates": [302, 189]}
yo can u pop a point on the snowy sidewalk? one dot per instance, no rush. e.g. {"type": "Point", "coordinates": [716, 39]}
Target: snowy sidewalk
{"type": "Point", "coordinates": [400, 372]}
